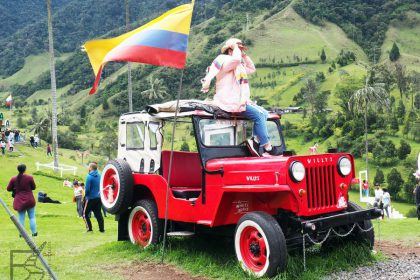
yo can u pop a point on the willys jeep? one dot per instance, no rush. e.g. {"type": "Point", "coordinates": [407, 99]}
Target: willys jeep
{"type": "Point", "coordinates": [269, 204]}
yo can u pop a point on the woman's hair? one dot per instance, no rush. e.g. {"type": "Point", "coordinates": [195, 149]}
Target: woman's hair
{"type": "Point", "coordinates": [21, 168]}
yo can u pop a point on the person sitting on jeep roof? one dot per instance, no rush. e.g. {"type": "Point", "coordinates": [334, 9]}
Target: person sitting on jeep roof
{"type": "Point", "coordinates": [233, 94]}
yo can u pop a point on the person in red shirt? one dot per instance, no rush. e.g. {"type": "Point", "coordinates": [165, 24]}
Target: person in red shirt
{"type": "Point", "coordinates": [365, 187]}
{"type": "Point", "coordinates": [21, 187]}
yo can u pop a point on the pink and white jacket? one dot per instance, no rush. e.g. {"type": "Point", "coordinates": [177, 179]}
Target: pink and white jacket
{"type": "Point", "coordinates": [232, 87]}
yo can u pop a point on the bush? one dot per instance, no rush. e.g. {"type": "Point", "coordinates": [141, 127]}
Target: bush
{"type": "Point", "coordinates": [75, 127]}
{"type": "Point", "coordinates": [412, 213]}
{"type": "Point", "coordinates": [323, 56]}
{"type": "Point", "coordinates": [394, 54]}
{"type": "Point", "coordinates": [379, 177]}
{"type": "Point", "coordinates": [395, 182]}
{"type": "Point", "coordinates": [409, 187]}
{"type": "Point", "coordinates": [404, 150]}
{"type": "Point", "coordinates": [185, 147]}
{"type": "Point", "coordinates": [345, 58]}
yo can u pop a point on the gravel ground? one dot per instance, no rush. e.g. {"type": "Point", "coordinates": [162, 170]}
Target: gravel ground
{"type": "Point", "coordinates": [403, 268]}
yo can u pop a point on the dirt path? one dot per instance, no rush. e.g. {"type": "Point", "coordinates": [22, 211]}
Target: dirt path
{"type": "Point", "coordinates": [398, 250]}
{"type": "Point", "coordinates": [154, 271]}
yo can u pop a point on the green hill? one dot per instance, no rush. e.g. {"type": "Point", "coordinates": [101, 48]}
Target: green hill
{"type": "Point", "coordinates": [406, 34]}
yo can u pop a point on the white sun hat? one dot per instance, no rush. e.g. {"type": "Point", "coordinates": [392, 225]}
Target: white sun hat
{"type": "Point", "coordinates": [229, 43]}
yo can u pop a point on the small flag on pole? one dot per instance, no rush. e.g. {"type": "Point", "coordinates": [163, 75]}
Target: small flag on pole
{"type": "Point", "coordinates": [9, 101]}
{"type": "Point", "coordinates": [162, 42]}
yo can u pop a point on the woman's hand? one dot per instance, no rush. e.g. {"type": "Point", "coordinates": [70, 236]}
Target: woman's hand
{"type": "Point", "coordinates": [205, 85]}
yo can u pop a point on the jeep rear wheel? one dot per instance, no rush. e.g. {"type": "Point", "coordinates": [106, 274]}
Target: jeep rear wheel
{"type": "Point", "coordinates": [144, 226]}
{"type": "Point", "coordinates": [116, 187]}
{"type": "Point", "coordinates": [260, 245]}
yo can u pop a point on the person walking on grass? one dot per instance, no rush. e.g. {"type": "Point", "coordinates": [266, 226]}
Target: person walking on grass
{"type": "Point", "coordinates": [378, 195]}
{"type": "Point", "coordinates": [93, 199]}
{"type": "Point", "coordinates": [386, 199]}
{"type": "Point", "coordinates": [231, 70]}
{"type": "Point", "coordinates": [78, 197]}
{"type": "Point", "coordinates": [21, 187]}
{"type": "Point", "coordinates": [11, 146]}
{"type": "Point", "coordinates": [49, 150]}
{"type": "Point", "coordinates": [3, 147]}
{"type": "Point", "coordinates": [36, 141]}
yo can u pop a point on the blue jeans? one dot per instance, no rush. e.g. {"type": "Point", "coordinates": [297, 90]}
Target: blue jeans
{"type": "Point", "coordinates": [259, 116]}
{"type": "Point", "coordinates": [31, 215]}
{"type": "Point", "coordinates": [366, 192]}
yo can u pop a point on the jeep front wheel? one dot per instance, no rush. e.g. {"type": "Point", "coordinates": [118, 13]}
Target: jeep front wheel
{"type": "Point", "coordinates": [116, 187]}
{"type": "Point", "coordinates": [144, 226]}
{"type": "Point", "coordinates": [260, 245]}
{"type": "Point", "coordinates": [365, 232]}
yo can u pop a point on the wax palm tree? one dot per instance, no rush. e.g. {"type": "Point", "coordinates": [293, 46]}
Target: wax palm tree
{"type": "Point", "coordinates": [372, 95]}
{"type": "Point", "coordinates": [53, 88]}
{"type": "Point", "coordinates": [157, 89]}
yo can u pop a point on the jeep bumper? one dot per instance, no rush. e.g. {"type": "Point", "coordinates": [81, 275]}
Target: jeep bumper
{"type": "Point", "coordinates": [325, 223]}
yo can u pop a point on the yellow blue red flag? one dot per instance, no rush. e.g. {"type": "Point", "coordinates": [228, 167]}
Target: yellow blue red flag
{"type": "Point", "coordinates": [162, 42]}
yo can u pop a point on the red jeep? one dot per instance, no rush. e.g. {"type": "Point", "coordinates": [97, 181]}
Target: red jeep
{"type": "Point", "coordinates": [266, 203]}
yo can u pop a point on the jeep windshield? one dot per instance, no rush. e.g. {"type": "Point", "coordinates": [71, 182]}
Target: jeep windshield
{"type": "Point", "coordinates": [227, 133]}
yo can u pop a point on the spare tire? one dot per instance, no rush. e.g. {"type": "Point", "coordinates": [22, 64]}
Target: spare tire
{"type": "Point", "coordinates": [116, 187]}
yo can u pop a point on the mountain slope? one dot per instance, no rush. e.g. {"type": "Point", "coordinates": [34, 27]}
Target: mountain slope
{"type": "Point", "coordinates": [406, 33]}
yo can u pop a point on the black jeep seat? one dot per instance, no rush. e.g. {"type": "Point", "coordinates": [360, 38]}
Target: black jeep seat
{"type": "Point", "coordinates": [186, 193]}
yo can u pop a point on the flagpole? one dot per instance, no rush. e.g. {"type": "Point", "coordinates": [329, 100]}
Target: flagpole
{"type": "Point", "coordinates": [165, 228]}
{"type": "Point", "coordinates": [130, 87]}
{"type": "Point", "coordinates": [170, 166]}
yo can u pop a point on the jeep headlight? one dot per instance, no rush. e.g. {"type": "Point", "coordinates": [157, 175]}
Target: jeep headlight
{"type": "Point", "coordinates": [297, 171]}
{"type": "Point", "coordinates": [344, 166]}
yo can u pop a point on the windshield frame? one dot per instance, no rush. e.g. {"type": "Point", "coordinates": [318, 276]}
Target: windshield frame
{"type": "Point", "coordinates": [212, 152]}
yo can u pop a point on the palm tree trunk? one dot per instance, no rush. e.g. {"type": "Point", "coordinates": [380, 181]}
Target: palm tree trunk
{"type": "Point", "coordinates": [366, 128]}
{"type": "Point", "coordinates": [53, 88]}
{"type": "Point", "coordinates": [366, 143]}
{"type": "Point", "coordinates": [130, 87]}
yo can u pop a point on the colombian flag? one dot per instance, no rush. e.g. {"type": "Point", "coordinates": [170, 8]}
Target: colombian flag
{"type": "Point", "coordinates": [162, 42]}
{"type": "Point", "coordinates": [9, 100]}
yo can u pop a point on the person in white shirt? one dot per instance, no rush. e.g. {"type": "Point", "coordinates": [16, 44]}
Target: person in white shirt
{"type": "Point", "coordinates": [66, 183]}
{"type": "Point", "coordinates": [78, 197]}
{"type": "Point", "coordinates": [378, 195]}
{"type": "Point", "coordinates": [12, 137]}
{"type": "Point", "coordinates": [36, 140]}
{"type": "Point", "coordinates": [386, 199]}
{"type": "Point", "coordinates": [11, 146]}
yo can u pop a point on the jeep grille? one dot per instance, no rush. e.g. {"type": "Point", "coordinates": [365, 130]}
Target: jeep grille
{"type": "Point", "coordinates": [320, 186]}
